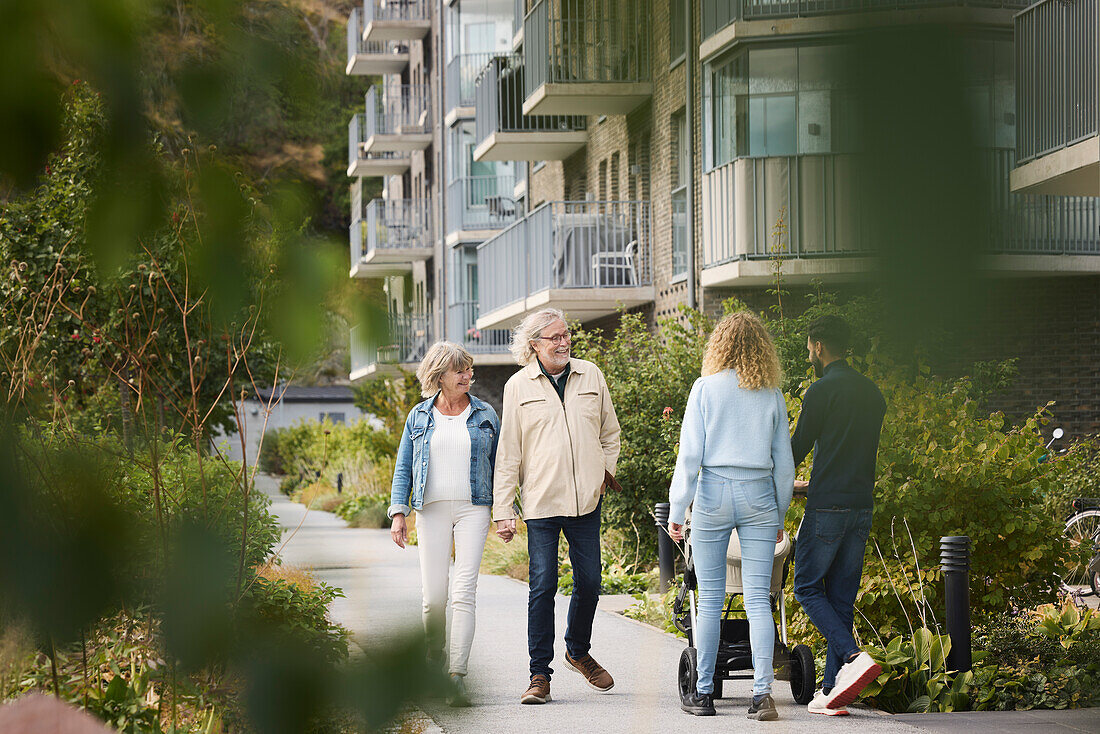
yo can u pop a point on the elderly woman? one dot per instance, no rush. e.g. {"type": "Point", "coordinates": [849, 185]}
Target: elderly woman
{"type": "Point", "coordinates": [735, 464]}
{"type": "Point", "coordinates": [444, 471]}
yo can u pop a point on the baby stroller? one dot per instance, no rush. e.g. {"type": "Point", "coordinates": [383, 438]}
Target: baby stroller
{"type": "Point", "coordinates": [734, 651]}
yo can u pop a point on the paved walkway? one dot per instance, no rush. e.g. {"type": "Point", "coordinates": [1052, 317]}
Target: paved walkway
{"type": "Point", "coordinates": [382, 587]}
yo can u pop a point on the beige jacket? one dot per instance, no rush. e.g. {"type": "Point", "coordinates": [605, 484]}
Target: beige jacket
{"type": "Point", "coordinates": [555, 455]}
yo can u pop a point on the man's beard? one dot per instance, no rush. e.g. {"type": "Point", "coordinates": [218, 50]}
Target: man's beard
{"type": "Point", "coordinates": [818, 367]}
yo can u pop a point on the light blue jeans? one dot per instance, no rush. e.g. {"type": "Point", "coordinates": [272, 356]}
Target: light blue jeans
{"type": "Point", "coordinates": [720, 505]}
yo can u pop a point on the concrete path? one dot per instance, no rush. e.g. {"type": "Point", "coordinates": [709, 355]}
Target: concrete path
{"type": "Point", "coordinates": [382, 587]}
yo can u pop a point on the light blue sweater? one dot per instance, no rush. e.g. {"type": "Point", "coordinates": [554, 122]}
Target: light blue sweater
{"type": "Point", "coordinates": [738, 433]}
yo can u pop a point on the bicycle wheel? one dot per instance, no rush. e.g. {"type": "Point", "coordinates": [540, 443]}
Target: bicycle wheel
{"type": "Point", "coordinates": [1083, 532]}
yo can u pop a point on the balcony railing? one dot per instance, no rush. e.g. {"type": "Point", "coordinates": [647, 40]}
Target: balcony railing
{"type": "Point", "coordinates": [567, 244]}
{"type": "Point", "coordinates": [462, 320]}
{"type": "Point", "coordinates": [564, 42]}
{"type": "Point", "coordinates": [462, 72]}
{"type": "Point", "coordinates": [395, 52]}
{"type": "Point", "coordinates": [403, 109]}
{"type": "Point", "coordinates": [374, 163]}
{"type": "Point", "coordinates": [1057, 55]}
{"type": "Point", "coordinates": [808, 206]}
{"type": "Point", "coordinates": [398, 224]}
{"type": "Point", "coordinates": [395, 10]}
{"type": "Point", "coordinates": [1039, 225]}
{"type": "Point", "coordinates": [406, 341]}
{"type": "Point", "coordinates": [814, 196]}
{"type": "Point", "coordinates": [500, 95]}
{"type": "Point", "coordinates": [481, 202]}
{"type": "Point", "coordinates": [357, 135]}
{"type": "Point", "coordinates": [717, 14]}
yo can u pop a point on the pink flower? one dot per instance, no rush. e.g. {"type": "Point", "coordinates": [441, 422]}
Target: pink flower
{"type": "Point", "coordinates": [667, 412]}
{"type": "Point", "coordinates": [75, 336]}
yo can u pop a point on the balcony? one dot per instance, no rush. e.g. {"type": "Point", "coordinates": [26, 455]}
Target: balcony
{"type": "Point", "coordinates": [396, 20]}
{"type": "Point", "coordinates": [462, 73]}
{"type": "Point", "coordinates": [364, 164]}
{"type": "Point", "coordinates": [1058, 121]}
{"type": "Point", "coordinates": [579, 63]}
{"type": "Point", "coordinates": [726, 21]}
{"type": "Point", "coordinates": [489, 346]}
{"type": "Point", "coordinates": [504, 133]}
{"type": "Point", "coordinates": [371, 58]}
{"type": "Point", "coordinates": [588, 258]}
{"type": "Point", "coordinates": [815, 195]}
{"type": "Point", "coordinates": [398, 120]}
{"type": "Point", "coordinates": [389, 236]}
{"type": "Point", "coordinates": [823, 231]}
{"type": "Point", "coordinates": [479, 206]}
{"type": "Point", "coordinates": [404, 344]}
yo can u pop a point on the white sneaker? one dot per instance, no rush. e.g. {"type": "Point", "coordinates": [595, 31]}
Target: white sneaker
{"type": "Point", "coordinates": [817, 706]}
{"type": "Point", "coordinates": [852, 678]}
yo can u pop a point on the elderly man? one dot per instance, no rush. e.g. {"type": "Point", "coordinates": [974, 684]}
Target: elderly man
{"type": "Point", "coordinates": [559, 441]}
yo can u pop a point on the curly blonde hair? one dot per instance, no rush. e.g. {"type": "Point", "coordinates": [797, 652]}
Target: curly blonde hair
{"type": "Point", "coordinates": [741, 342]}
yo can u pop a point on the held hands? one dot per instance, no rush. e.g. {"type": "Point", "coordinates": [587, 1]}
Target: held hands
{"type": "Point", "coordinates": [800, 487]}
{"type": "Point", "coordinates": [506, 530]}
{"type": "Point", "coordinates": [399, 531]}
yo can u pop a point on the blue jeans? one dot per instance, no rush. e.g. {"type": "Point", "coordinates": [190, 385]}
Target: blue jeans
{"type": "Point", "coordinates": [583, 534]}
{"type": "Point", "coordinates": [828, 566]}
{"type": "Point", "coordinates": [720, 505]}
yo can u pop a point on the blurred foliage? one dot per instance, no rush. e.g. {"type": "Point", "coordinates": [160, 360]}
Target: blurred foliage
{"type": "Point", "coordinates": [390, 400]}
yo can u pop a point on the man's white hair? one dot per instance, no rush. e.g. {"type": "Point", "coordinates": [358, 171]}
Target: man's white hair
{"type": "Point", "coordinates": [530, 329]}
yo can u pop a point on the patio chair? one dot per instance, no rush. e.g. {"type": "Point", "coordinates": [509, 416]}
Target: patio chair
{"type": "Point", "coordinates": [615, 268]}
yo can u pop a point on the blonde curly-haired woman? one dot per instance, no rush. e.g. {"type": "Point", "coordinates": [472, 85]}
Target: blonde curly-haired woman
{"type": "Point", "coordinates": [735, 465]}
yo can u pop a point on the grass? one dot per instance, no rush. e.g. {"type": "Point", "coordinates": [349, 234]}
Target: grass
{"type": "Point", "coordinates": [301, 576]}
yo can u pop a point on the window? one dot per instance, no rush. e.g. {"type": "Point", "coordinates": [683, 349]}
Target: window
{"type": "Point", "coordinates": [681, 170]}
{"type": "Point", "coordinates": [677, 41]}
{"type": "Point", "coordinates": [770, 102]}
{"type": "Point", "coordinates": [613, 177]}
{"type": "Point", "coordinates": [681, 155]}
{"type": "Point", "coordinates": [334, 418]}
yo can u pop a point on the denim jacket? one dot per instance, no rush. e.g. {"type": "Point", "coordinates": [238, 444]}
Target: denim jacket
{"type": "Point", "coordinates": [410, 474]}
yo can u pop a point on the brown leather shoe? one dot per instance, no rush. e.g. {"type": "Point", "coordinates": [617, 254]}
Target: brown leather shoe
{"type": "Point", "coordinates": [592, 671]}
{"type": "Point", "coordinates": [538, 691]}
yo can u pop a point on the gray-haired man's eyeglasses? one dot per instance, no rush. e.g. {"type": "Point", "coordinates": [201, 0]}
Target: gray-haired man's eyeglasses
{"type": "Point", "coordinates": [558, 338]}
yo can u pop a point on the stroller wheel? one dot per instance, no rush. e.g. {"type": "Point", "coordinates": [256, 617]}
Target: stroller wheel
{"type": "Point", "coordinates": [687, 674]}
{"type": "Point", "coordinates": [803, 674]}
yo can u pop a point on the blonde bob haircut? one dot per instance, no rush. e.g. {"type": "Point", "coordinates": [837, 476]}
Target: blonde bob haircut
{"type": "Point", "coordinates": [741, 342]}
{"type": "Point", "coordinates": [529, 329]}
{"type": "Point", "coordinates": [442, 357]}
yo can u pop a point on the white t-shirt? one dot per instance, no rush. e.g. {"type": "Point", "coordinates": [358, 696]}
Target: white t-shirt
{"type": "Point", "coordinates": [449, 458]}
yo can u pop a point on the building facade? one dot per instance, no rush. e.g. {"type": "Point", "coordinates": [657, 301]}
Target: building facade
{"type": "Point", "coordinates": [599, 155]}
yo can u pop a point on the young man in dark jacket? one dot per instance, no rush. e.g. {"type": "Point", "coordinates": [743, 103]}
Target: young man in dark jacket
{"type": "Point", "coordinates": [841, 420]}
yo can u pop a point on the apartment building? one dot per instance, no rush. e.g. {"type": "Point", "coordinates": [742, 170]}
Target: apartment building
{"type": "Point", "coordinates": [595, 155]}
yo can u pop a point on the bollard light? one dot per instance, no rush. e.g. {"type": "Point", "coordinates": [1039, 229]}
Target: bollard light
{"type": "Point", "coordinates": [666, 551]}
{"type": "Point", "coordinates": [955, 563]}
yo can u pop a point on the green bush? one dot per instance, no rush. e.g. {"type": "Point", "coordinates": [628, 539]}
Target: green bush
{"type": "Point", "coordinates": [914, 677]}
{"type": "Point", "coordinates": [299, 615]}
{"type": "Point", "coordinates": [365, 511]}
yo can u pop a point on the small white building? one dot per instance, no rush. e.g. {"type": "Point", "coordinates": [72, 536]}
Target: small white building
{"type": "Point", "coordinates": [291, 404]}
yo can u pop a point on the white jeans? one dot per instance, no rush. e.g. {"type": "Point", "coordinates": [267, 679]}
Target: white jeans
{"type": "Point", "coordinates": [439, 524]}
